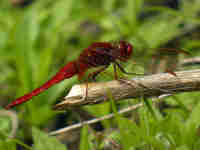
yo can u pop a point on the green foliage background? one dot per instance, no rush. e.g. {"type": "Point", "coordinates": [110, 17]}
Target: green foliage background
{"type": "Point", "coordinates": [37, 40]}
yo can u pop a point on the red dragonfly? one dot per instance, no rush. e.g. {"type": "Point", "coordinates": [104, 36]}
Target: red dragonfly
{"type": "Point", "coordinates": [99, 54]}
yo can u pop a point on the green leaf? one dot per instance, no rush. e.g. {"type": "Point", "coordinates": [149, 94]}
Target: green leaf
{"type": "Point", "coordinates": [182, 147]}
{"type": "Point", "coordinates": [7, 145]}
{"type": "Point", "coordinates": [84, 143]}
{"type": "Point", "coordinates": [194, 117]}
{"type": "Point", "coordinates": [43, 141]}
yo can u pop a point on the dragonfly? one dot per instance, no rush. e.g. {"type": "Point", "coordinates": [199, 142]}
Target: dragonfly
{"type": "Point", "coordinates": [98, 54]}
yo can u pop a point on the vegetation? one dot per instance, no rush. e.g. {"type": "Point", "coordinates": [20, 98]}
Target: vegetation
{"type": "Point", "coordinates": [38, 39]}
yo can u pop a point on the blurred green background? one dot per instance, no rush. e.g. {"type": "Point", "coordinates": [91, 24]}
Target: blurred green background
{"type": "Point", "coordinates": [38, 37]}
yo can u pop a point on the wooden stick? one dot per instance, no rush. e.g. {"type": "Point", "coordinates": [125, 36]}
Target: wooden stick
{"type": "Point", "coordinates": [146, 86]}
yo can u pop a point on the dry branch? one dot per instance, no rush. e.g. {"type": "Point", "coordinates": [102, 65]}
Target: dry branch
{"type": "Point", "coordinates": [190, 61]}
{"type": "Point", "coordinates": [146, 86]}
{"type": "Point", "coordinates": [92, 121]}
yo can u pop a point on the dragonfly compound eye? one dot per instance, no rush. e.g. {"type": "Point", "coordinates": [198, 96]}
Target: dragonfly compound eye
{"type": "Point", "coordinates": [125, 48]}
{"type": "Point", "coordinates": [129, 49]}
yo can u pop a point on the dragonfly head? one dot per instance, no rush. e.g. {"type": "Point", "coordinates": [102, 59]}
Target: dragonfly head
{"type": "Point", "coordinates": [125, 50]}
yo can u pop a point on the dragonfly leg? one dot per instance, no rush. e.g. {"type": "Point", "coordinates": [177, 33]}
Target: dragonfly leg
{"type": "Point", "coordinates": [141, 85]}
{"type": "Point", "coordinates": [93, 75]}
{"type": "Point", "coordinates": [124, 80]}
{"type": "Point", "coordinates": [124, 71]}
{"type": "Point", "coordinates": [115, 72]}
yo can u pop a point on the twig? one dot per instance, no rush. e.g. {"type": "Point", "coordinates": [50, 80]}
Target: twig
{"type": "Point", "coordinates": [147, 86]}
{"type": "Point", "coordinates": [81, 124]}
{"type": "Point", "coordinates": [190, 61]}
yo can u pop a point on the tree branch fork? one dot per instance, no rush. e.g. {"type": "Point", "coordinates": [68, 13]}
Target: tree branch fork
{"type": "Point", "coordinates": [146, 86]}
